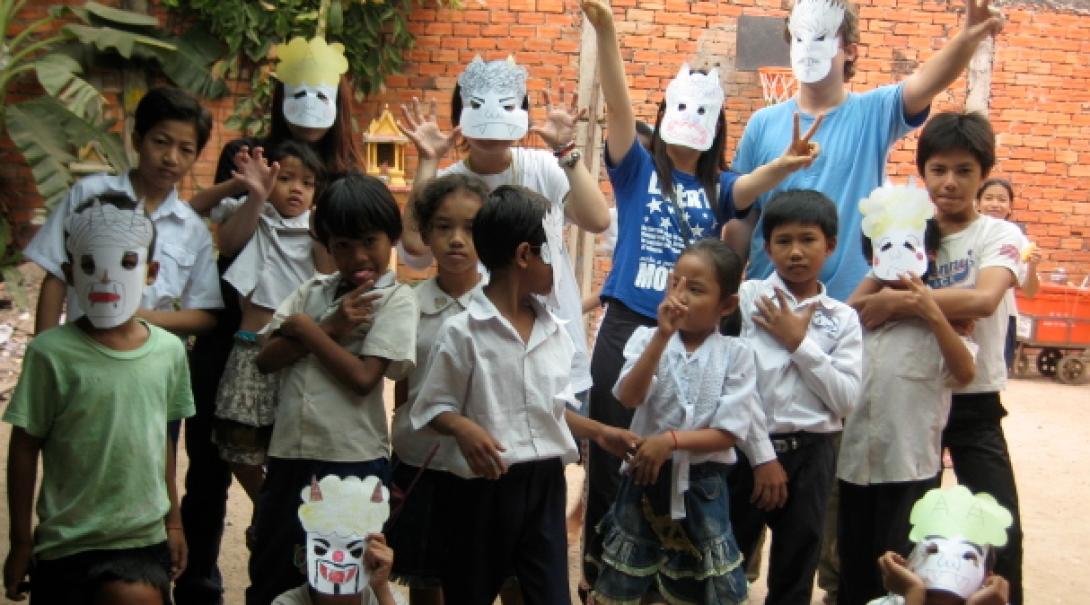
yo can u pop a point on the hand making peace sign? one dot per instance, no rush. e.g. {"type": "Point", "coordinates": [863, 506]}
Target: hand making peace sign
{"type": "Point", "coordinates": [802, 152]}
{"type": "Point", "coordinates": [673, 309]}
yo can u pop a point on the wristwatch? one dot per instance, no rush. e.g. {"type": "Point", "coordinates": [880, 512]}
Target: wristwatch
{"type": "Point", "coordinates": [570, 159]}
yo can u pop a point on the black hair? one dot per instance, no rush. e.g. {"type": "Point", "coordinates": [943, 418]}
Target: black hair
{"type": "Point", "coordinates": [727, 264]}
{"type": "Point", "coordinates": [510, 216]}
{"type": "Point", "coordinates": [963, 131]}
{"type": "Point", "coordinates": [121, 201]}
{"type": "Point", "coordinates": [353, 205]}
{"type": "Point", "coordinates": [1004, 183]}
{"type": "Point", "coordinates": [338, 149]}
{"type": "Point", "coordinates": [711, 162]}
{"type": "Point", "coordinates": [162, 104]}
{"type": "Point", "coordinates": [128, 570]}
{"type": "Point", "coordinates": [428, 201]}
{"type": "Point", "coordinates": [300, 151]}
{"type": "Point", "coordinates": [932, 239]}
{"type": "Point", "coordinates": [799, 207]}
{"type": "Point", "coordinates": [643, 129]}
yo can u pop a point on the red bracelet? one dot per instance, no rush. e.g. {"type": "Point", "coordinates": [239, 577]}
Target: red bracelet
{"type": "Point", "coordinates": [563, 150]}
{"type": "Point", "coordinates": [674, 435]}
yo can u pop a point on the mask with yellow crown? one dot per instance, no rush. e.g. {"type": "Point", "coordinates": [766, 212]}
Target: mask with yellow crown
{"type": "Point", "coordinates": [311, 72]}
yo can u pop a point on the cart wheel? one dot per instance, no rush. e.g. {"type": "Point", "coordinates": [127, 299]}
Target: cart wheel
{"type": "Point", "coordinates": [1071, 369]}
{"type": "Point", "coordinates": [1047, 361]}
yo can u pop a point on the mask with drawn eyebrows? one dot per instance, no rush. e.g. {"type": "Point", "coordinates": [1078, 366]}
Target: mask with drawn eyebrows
{"type": "Point", "coordinates": [492, 96]}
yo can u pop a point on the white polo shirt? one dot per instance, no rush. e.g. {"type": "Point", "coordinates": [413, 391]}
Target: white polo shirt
{"type": "Point", "coordinates": [516, 391]}
{"type": "Point", "coordinates": [811, 390]}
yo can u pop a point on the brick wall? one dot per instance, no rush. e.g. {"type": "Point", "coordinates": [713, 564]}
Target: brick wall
{"type": "Point", "coordinates": [1040, 96]}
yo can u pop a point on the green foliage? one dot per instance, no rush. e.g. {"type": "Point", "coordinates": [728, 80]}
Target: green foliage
{"type": "Point", "coordinates": [375, 36]}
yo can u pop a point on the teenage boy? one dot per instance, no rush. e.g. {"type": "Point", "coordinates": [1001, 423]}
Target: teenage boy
{"type": "Point", "coordinates": [978, 260]}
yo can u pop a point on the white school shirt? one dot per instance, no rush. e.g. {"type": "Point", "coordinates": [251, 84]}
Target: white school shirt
{"type": "Point", "coordinates": [516, 391]}
{"type": "Point", "coordinates": [811, 390]}
{"type": "Point", "coordinates": [537, 170]}
{"type": "Point", "coordinates": [1010, 303]}
{"type": "Point", "coordinates": [895, 434]}
{"type": "Point", "coordinates": [436, 306]}
{"type": "Point", "coordinates": [277, 258]}
{"type": "Point", "coordinates": [986, 242]}
{"type": "Point", "coordinates": [319, 417]}
{"type": "Point", "coordinates": [183, 247]}
{"type": "Point", "coordinates": [713, 387]}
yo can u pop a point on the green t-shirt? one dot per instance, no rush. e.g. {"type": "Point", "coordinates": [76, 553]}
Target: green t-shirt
{"type": "Point", "coordinates": [103, 417]}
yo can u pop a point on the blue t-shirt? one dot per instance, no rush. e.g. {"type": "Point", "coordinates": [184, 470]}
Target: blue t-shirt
{"type": "Point", "coordinates": [649, 235]}
{"type": "Point", "coordinates": [855, 141]}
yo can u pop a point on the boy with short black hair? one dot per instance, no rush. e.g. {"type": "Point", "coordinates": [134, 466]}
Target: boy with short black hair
{"type": "Point", "coordinates": [808, 349]}
{"type": "Point", "coordinates": [95, 397]}
{"type": "Point", "coordinates": [979, 259]}
{"type": "Point", "coordinates": [170, 131]}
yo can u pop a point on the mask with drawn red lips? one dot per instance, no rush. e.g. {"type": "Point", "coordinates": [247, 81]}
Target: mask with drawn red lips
{"type": "Point", "coordinates": [110, 282]}
{"type": "Point", "coordinates": [335, 563]}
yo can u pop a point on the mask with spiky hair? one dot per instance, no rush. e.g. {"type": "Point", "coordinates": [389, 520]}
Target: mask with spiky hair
{"type": "Point", "coordinates": [492, 95]}
{"type": "Point", "coordinates": [338, 515]}
{"type": "Point", "coordinates": [895, 220]}
{"type": "Point", "coordinates": [694, 102]}
{"type": "Point", "coordinates": [108, 246]}
{"type": "Point", "coordinates": [954, 532]}
{"type": "Point", "coordinates": [814, 41]}
{"type": "Point", "coordinates": [310, 71]}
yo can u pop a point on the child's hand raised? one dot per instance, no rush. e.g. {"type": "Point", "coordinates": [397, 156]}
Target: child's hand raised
{"type": "Point", "coordinates": [355, 309]}
{"type": "Point", "coordinates": [423, 130]}
{"type": "Point", "coordinates": [786, 326]}
{"type": "Point", "coordinates": [673, 310]}
{"type": "Point", "coordinates": [559, 127]}
{"type": "Point", "coordinates": [802, 152]}
{"type": "Point", "coordinates": [254, 172]}
{"type": "Point", "coordinates": [481, 451]}
{"type": "Point", "coordinates": [598, 13]}
{"type": "Point", "coordinates": [650, 455]}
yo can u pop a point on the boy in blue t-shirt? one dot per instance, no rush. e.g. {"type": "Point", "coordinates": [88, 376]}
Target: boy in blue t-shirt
{"type": "Point", "coordinates": [93, 402]}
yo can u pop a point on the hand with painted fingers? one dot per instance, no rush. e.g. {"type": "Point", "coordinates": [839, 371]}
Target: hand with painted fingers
{"type": "Point", "coordinates": [480, 449]}
{"type": "Point", "coordinates": [649, 458]}
{"type": "Point", "coordinates": [254, 172]}
{"type": "Point", "coordinates": [422, 128]}
{"type": "Point", "coordinates": [769, 486]}
{"type": "Point", "coordinates": [16, 568]}
{"type": "Point", "coordinates": [560, 120]}
{"type": "Point", "coordinates": [673, 309]}
{"type": "Point", "coordinates": [786, 326]}
{"type": "Point", "coordinates": [355, 308]}
{"type": "Point", "coordinates": [802, 152]}
{"type": "Point", "coordinates": [598, 13]}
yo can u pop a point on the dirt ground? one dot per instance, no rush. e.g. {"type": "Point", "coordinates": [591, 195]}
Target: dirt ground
{"type": "Point", "coordinates": [1048, 430]}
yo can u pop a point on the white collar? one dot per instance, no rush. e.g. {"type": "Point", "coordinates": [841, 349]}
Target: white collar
{"type": "Point", "coordinates": [774, 281]}
{"type": "Point", "coordinates": [171, 204]}
{"type": "Point", "coordinates": [432, 300]}
{"type": "Point", "coordinates": [481, 309]}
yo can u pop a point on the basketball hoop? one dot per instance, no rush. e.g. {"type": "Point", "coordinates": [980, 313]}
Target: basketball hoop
{"type": "Point", "coordinates": [777, 84]}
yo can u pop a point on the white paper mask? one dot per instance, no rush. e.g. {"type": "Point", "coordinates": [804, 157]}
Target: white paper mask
{"type": "Point", "coordinates": [492, 95]}
{"type": "Point", "coordinates": [552, 254]}
{"type": "Point", "coordinates": [895, 220]}
{"type": "Point", "coordinates": [338, 515]}
{"type": "Point", "coordinates": [954, 532]}
{"type": "Point", "coordinates": [814, 42]}
{"type": "Point", "coordinates": [694, 102]}
{"type": "Point", "coordinates": [109, 250]}
{"type": "Point", "coordinates": [310, 71]}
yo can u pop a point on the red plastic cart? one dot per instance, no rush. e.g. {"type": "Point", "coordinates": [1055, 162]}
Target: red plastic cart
{"type": "Point", "coordinates": [1055, 323]}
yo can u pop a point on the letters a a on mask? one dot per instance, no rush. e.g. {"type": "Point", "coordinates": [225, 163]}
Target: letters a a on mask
{"type": "Point", "coordinates": [813, 26]}
{"type": "Point", "coordinates": [492, 97]}
{"type": "Point", "coordinates": [694, 102]}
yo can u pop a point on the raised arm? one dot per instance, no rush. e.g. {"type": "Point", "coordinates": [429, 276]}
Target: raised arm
{"type": "Point", "coordinates": [632, 389]}
{"type": "Point", "coordinates": [585, 205]}
{"type": "Point", "coordinates": [619, 117]}
{"type": "Point", "coordinates": [940, 71]}
{"type": "Point", "coordinates": [800, 153]}
{"type": "Point", "coordinates": [259, 178]}
{"type": "Point", "coordinates": [422, 128]}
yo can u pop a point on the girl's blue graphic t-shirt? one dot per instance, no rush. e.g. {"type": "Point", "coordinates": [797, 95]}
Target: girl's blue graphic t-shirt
{"type": "Point", "coordinates": [649, 232]}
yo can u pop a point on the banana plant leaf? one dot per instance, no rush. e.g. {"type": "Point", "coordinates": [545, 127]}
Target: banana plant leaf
{"type": "Point", "coordinates": [59, 75]}
{"type": "Point", "coordinates": [189, 66]}
{"type": "Point", "coordinates": [123, 42]}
